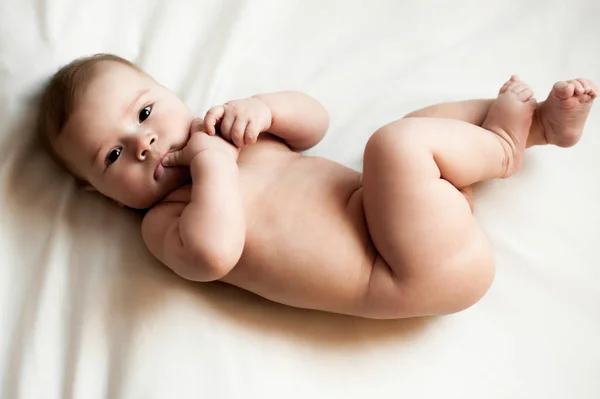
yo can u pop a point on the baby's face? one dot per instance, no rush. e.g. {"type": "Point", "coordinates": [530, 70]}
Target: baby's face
{"type": "Point", "coordinates": [119, 133]}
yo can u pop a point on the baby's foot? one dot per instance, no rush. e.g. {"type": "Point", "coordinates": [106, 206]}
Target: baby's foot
{"type": "Point", "coordinates": [510, 118]}
{"type": "Point", "coordinates": [563, 115]}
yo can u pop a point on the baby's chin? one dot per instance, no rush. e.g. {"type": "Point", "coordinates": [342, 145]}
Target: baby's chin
{"type": "Point", "coordinates": [137, 200]}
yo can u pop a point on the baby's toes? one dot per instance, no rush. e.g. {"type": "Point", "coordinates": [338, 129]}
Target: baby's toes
{"type": "Point", "coordinates": [579, 89]}
{"type": "Point", "coordinates": [563, 90]}
{"type": "Point", "coordinates": [522, 90]}
{"type": "Point", "coordinates": [509, 84]}
{"type": "Point", "coordinates": [526, 93]}
{"type": "Point", "coordinates": [590, 87]}
{"type": "Point", "coordinates": [505, 87]}
{"type": "Point", "coordinates": [587, 86]}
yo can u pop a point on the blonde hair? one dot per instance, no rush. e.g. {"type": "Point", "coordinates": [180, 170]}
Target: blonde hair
{"type": "Point", "coordinates": [60, 96]}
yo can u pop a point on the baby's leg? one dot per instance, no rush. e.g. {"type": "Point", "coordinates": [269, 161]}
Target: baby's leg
{"type": "Point", "coordinates": [434, 257]}
{"type": "Point", "coordinates": [553, 120]}
{"type": "Point", "coordinates": [557, 120]}
{"type": "Point", "coordinates": [470, 111]}
{"type": "Point", "coordinates": [475, 112]}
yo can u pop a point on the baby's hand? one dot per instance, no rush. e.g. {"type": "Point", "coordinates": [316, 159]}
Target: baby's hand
{"type": "Point", "coordinates": [199, 142]}
{"type": "Point", "coordinates": [241, 121]}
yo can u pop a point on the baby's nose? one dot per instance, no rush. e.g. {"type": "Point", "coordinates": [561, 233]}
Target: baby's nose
{"type": "Point", "coordinates": [144, 145]}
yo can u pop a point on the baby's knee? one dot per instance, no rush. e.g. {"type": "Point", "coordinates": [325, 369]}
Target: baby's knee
{"type": "Point", "coordinates": [398, 137]}
{"type": "Point", "coordinates": [395, 131]}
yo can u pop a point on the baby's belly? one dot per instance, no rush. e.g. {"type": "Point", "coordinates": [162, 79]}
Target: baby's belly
{"type": "Point", "coordinates": [307, 242]}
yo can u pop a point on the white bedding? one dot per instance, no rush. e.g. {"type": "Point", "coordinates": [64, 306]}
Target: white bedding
{"type": "Point", "coordinates": [87, 313]}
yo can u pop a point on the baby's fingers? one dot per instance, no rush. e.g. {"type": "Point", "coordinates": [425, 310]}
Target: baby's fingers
{"type": "Point", "coordinates": [227, 125]}
{"type": "Point", "coordinates": [174, 158]}
{"type": "Point", "coordinates": [252, 132]}
{"type": "Point", "coordinates": [237, 131]}
{"type": "Point", "coordinates": [212, 118]}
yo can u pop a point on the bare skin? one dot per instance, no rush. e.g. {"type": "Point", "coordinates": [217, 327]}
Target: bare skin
{"type": "Point", "coordinates": [397, 241]}
{"type": "Point", "coordinates": [379, 264]}
{"type": "Point", "coordinates": [558, 120]}
{"type": "Point", "coordinates": [561, 116]}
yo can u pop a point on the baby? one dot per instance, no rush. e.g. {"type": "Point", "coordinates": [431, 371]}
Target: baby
{"type": "Point", "coordinates": [230, 198]}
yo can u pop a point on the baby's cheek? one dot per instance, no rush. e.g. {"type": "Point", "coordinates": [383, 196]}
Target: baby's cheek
{"type": "Point", "coordinates": [177, 123]}
{"type": "Point", "coordinates": [131, 189]}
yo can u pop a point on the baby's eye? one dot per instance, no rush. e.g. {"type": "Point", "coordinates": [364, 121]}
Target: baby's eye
{"type": "Point", "coordinates": [112, 156]}
{"type": "Point", "coordinates": [145, 113]}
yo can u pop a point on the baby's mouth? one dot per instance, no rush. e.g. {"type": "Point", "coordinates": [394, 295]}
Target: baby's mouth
{"type": "Point", "coordinates": [159, 171]}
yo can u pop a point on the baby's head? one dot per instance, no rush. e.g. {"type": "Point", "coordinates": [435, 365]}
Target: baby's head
{"type": "Point", "coordinates": [110, 124]}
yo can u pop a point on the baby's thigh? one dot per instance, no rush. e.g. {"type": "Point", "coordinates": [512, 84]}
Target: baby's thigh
{"type": "Point", "coordinates": [376, 288]}
{"type": "Point", "coordinates": [433, 257]}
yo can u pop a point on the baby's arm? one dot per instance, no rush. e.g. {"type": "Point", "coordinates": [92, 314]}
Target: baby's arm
{"type": "Point", "coordinates": [203, 240]}
{"type": "Point", "coordinates": [297, 118]}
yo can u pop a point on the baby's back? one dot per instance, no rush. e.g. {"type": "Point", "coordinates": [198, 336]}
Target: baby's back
{"type": "Point", "coordinates": [307, 243]}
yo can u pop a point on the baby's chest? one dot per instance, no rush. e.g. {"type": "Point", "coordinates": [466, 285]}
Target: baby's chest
{"type": "Point", "coordinates": [302, 205]}
{"type": "Point", "coordinates": [291, 184]}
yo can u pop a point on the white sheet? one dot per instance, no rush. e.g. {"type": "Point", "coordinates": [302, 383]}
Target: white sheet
{"type": "Point", "coordinates": [87, 313]}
